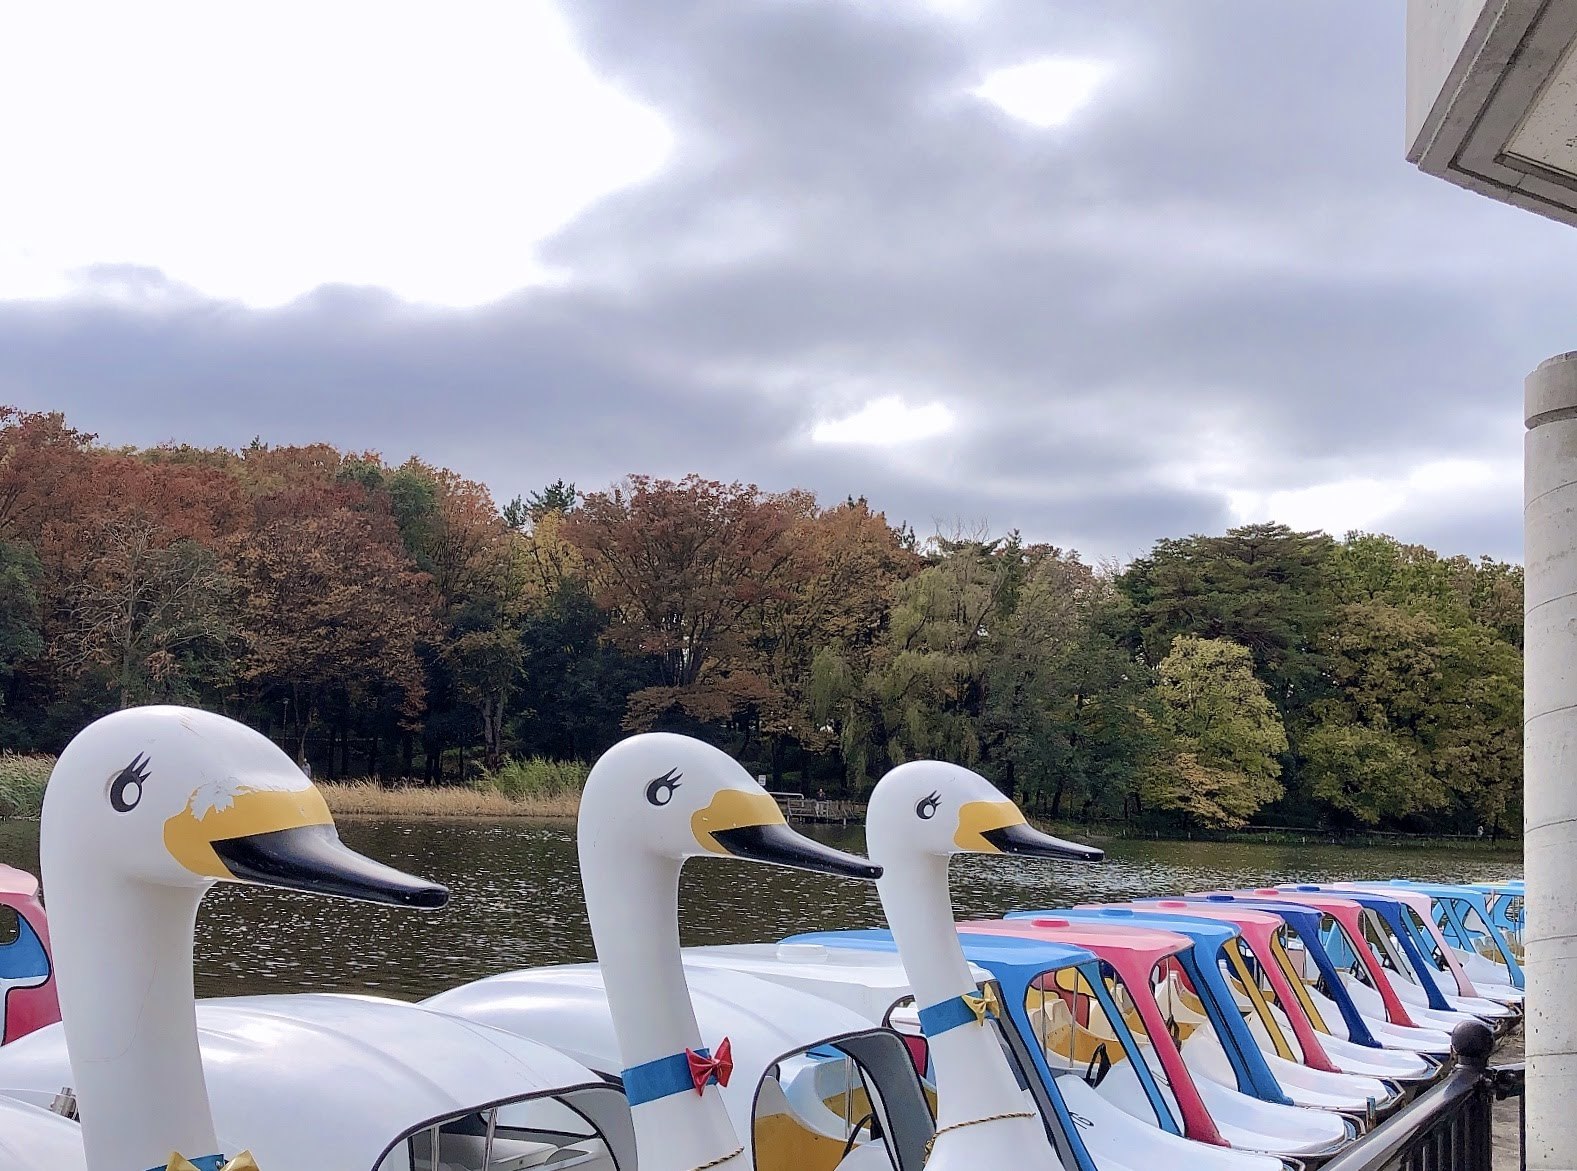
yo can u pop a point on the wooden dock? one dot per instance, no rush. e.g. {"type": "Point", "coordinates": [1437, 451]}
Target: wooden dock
{"type": "Point", "coordinates": [819, 811]}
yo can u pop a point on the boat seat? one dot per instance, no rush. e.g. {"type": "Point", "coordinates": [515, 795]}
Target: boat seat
{"type": "Point", "coordinates": [1174, 1001]}
{"type": "Point", "coordinates": [782, 1140]}
{"type": "Point", "coordinates": [1063, 1036]}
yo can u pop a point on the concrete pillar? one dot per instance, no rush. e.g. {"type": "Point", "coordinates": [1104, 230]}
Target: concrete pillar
{"type": "Point", "coordinates": [1550, 761]}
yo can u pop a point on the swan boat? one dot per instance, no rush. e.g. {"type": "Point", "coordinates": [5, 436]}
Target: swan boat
{"type": "Point", "coordinates": [811, 1084]}
{"type": "Point", "coordinates": [650, 802]}
{"type": "Point", "coordinates": [920, 815]}
{"type": "Point", "coordinates": [27, 973]}
{"type": "Point", "coordinates": [376, 1084]}
{"type": "Point", "coordinates": [145, 811]}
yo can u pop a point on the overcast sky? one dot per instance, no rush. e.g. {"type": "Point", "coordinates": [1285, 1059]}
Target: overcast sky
{"type": "Point", "coordinates": [1103, 272]}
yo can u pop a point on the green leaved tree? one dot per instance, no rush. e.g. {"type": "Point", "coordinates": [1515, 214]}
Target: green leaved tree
{"type": "Point", "coordinates": [1226, 736]}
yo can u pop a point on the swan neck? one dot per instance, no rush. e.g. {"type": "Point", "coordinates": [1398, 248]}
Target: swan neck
{"type": "Point", "coordinates": [973, 1077]}
{"type": "Point", "coordinates": [919, 907]}
{"type": "Point", "coordinates": [632, 902]}
{"type": "Point", "coordinates": [123, 955]}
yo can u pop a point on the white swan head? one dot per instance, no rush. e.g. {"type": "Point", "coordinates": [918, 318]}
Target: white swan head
{"type": "Point", "coordinates": [172, 796]}
{"type": "Point", "coordinates": [670, 796]}
{"type": "Point", "coordinates": [928, 807]}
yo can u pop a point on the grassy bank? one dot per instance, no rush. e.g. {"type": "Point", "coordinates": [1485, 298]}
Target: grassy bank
{"type": "Point", "coordinates": [364, 797]}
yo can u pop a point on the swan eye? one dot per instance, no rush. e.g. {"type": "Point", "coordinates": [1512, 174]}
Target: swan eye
{"type": "Point", "coordinates": [661, 790]}
{"type": "Point", "coordinates": [926, 810]}
{"type": "Point", "coordinates": [126, 786]}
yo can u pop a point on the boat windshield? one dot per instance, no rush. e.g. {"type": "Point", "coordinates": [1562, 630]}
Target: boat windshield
{"type": "Point", "coordinates": [1187, 1020]}
{"type": "Point", "coordinates": [1424, 938]}
{"type": "Point", "coordinates": [815, 1105]}
{"type": "Point", "coordinates": [1344, 951]}
{"type": "Point", "coordinates": [1256, 999]}
{"type": "Point", "coordinates": [1506, 910]}
{"type": "Point", "coordinates": [1377, 934]}
{"type": "Point", "coordinates": [1085, 1035]}
{"type": "Point", "coordinates": [553, 1130]}
{"type": "Point", "coordinates": [1480, 937]}
{"type": "Point", "coordinates": [1292, 956]}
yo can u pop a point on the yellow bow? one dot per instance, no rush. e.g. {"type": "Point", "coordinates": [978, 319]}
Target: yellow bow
{"type": "Point", "coordinates": [242, 1162]}
{"type": "Point", "coordinates": [986, 1002]}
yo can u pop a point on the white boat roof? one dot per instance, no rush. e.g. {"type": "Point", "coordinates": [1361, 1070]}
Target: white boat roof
{"type": "Point", "coordinates": [867, 982]}
{"type": "Point", "coordinates": [566, 1007]}
{"type": "Point", "coordinates": [356, 1073]}
{"type": "Point", "coordinates": [32, 1139]}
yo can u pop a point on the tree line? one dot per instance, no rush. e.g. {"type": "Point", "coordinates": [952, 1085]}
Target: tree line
{"type": "Point", "coordinates": [394, 622]}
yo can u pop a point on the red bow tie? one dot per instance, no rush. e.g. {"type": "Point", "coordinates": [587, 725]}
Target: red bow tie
{"type": "Point", "coordinates": [717, 1068]}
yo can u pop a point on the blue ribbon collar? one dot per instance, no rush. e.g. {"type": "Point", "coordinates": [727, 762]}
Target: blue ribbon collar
{"type": "Point", "coordinates": [967, 1009]}
{"type": "Point", "coordinates": [664, 1077]}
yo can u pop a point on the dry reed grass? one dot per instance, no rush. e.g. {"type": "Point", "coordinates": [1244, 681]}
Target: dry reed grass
{"type": "Point", "coordinates": [22, 780]}
{"type": "Point", "coordinates": [364, 797]}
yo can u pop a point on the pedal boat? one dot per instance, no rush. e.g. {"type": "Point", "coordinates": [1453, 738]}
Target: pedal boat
{"type": "Point", "coordinates": [1211, 1112]}
{"type": "Point", "coordinates": [1308, 1037]}
{"type": "Point", "coordinates": [1212, 985]}
{"type": "Point", "coordinates": [145, 810]}
{"type": "Point", "coordinates": [1464, 918]}
{"type": "Point", "coordinates": [1360, 971]}
{"type": "Point", "coordinates": [651, 802]}
{"type": "Point", "coordinates": [1395, 942]}
{"type": "Point", "coordinates": [1450, 970]}
{"type": "Point", "coordinates": [1327, 986]}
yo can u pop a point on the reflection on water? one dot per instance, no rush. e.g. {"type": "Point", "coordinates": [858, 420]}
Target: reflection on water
{"type": "Point", "coordinates": [517, 900]}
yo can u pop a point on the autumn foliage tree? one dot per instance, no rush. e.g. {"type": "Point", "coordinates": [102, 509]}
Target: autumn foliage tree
{"type": "Point", "coordinates": [389, 618]}
{"type": "Point", "coordinates": [333, 609]}
{"type": "Point", "coordinates": [686, 568]}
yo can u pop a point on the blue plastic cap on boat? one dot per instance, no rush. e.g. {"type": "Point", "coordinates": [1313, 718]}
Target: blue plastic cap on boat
{"type": "Point", "coordinates": [1219, 899]}
{"type": "Point", "coordinates": [1115, 911]}
{"type": "Point", "coordinates": [1306, 886]}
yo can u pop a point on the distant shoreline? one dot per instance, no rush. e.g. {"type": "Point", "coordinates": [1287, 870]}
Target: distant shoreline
{"type": "Point", "coordinates": [366, 799]}
{"type": "Point", "coordinates": [363, 799]}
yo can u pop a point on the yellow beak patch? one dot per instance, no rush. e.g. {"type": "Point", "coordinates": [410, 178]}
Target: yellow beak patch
{"type": "Point", "coordinates": [976, 818]}
{"type": "Point", "coordinates": [733, 809]}
{"type": "Point", "coordinates": [190, 838]}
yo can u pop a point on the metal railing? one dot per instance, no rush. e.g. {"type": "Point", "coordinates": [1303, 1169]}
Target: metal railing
{"type": "Point", "coordinates": [1449, 1127]}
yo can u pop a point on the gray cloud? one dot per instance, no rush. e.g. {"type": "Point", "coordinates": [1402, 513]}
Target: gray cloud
{"type": "Point", "coordinates": [1222, 274]}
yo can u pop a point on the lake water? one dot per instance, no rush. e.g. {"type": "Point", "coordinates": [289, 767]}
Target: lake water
{"type": "Point", "coordinates": [516, 900]}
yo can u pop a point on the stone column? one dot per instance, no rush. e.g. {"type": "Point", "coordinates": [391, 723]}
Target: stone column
{"type": "Point", "coordinates": [1550, 760]}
